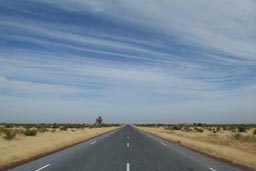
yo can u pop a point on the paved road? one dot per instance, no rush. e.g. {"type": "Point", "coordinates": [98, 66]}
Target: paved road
{"type": "Point", "coordinates": [126, 149]}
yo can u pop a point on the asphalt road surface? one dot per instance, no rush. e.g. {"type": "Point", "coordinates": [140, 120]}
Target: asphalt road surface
{"type": "Point", "coordinates": [126, 149]}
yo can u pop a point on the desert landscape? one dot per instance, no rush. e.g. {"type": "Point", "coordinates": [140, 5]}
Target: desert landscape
{"type": "Point", "coordinates": [175, 82]}
{"type": "Point", "coordinates": [20, 142]}
{"type": "Point", "coordinates": [233, 142]}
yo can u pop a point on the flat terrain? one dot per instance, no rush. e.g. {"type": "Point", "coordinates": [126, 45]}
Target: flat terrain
{"type": "Point", "coordinates": [24, 146]}
{"type": "Point", "coordinates": [126, 149]}
{"type": "Point", "coordinates": [237, 145]}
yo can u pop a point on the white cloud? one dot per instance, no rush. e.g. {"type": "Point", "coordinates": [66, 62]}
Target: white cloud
{"type": "Point", "coordinates": [218, 80]}
{"type": "Point", "coordinates": [223, 25]}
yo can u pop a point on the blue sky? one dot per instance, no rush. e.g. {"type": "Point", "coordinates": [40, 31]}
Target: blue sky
{"type": "Point", "coordinates": [129, 61]}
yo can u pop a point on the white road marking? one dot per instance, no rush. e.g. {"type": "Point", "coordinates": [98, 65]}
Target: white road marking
{"type": "Point", "coordinates": [127, 166]}
{"type": "Point", "coordinates": [41, 168]}
{"type": "Point", "coordinates": [93, 142]}
{"type": "Point", "coordinates": [211, 169]}
{"type": "Point", "coordinates": [164, 144]}
{"type": "Point", "coordinates": [128, 137]}
{"type": "Point", "coordinates": [128, 145]}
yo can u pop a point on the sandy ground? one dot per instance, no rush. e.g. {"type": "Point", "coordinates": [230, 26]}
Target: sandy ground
{"type": "Point", "coordinates": [220, 145]}
{"type": "Point", "coordinates": [23, 147]}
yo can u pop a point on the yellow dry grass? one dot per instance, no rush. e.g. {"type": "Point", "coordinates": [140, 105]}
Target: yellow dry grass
{"type": "Point", "coordinates": [23, 147]}
{"type": "Point", "coordinates": [220, 145]}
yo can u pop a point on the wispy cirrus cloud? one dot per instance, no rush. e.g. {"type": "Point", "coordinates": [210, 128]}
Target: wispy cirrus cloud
{"type": "Point", "coordinates": [119, 56]}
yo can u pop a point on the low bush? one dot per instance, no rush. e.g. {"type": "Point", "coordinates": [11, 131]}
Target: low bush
{"type": "Point", "coordinates": [9, 135]}
{"type": "Point", "coordinates": [238, 136]}
{"type": "Point", "coordinates": [241, 129]}
{"type": "Point", "coordinates": [199, 129]}
{"type": "Point", "coordinates": [64, 128]}
{"type": "Point", "coordinates": [42, 130]}
{"type": "Point", "coordinates": [187, 129]}
{"type": "Point", "coordinates": [30, 132]}
{"type": "Point", "coordinates": [176, 127]}
{"type": "Point", "coordinates": [55, 126]}
{"type": "Point", "coordinates": [9, 125]}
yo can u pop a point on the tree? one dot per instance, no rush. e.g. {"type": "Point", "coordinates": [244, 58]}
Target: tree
{"type": "Point", "coordinates": [99, 120]}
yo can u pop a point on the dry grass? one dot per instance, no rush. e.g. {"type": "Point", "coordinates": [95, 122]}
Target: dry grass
{"type": "Point", "coordinates": [23, 147]}
{"type": "Point", "coordinates": [223, 144]}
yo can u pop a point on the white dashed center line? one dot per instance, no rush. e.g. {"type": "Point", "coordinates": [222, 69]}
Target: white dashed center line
{"type": "Point", "coordinates": [211, 169]}
{"type": "Point", "coordinates": [127, 166]}
{"type": "Point", "coordinates": [93, 142]}
{"type": "Point", "coordinates": [164, 144]}
{"type": "Point", "coordinates": [41, 168]}
{"type": "Point", "coordinates": [128, 145]}
{"type": "Point", "coordinates": [128, 137]}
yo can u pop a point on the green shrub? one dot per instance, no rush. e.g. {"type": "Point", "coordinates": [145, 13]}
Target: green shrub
{"type": "Point", "coordinates": [187, 129]}
{"type": "Point", "coordinates": [254, 132]}
{"type": "Point", "coordinates": [241, 129]}
{"type": "Point", "coordinates": [176, 127]}
{"type": "Point", "coordinates": [55, 126]}
{"type": "Point", "coordinates": [199, 130]}
{"type": "Point", "coordinates": [42, 129]}
{"type": "Point", "coordinates": [64, 128]}
{"type": "Point", "coordinates": [238, 136]}
{"type": "Point", "coordinates": [30, 132]}
{"type": "Point", "coordinates": [200, 124]}
{"type": "Point", "coordinates": [9, 135]}
{"type": "Point", "coordinates": [8, 125]}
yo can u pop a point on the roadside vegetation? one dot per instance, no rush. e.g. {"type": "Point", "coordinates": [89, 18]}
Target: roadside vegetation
{"type": "Point", "coordinates": [23, 141]}
{"type": "Point", "coordinates": [232, 142]}
{"type": "Point", "coordinates": [9, 131]}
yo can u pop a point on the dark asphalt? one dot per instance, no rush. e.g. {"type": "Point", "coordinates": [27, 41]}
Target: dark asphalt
{"type": "Point", "coordinates": [126, 149]}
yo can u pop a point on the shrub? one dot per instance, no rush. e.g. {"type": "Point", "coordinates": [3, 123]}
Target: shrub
{"type": "Point", "coordinates": [187, 129]}
{"type": "Point", "coordinates": [241, 129]}
{"type": "Point", "coordinates": [200, 124]}
{"type": "Point", "coordinates": [8, 125]}
{"type": "Point", "coordinates": [43, 130]}
{"type": "Point", "coordinates": [30, 132]}
{"type": "Point", "coordinates": [9, 135]}
{"type": "Point", "coordinates": [254, 132]}
{"type": "Point", "coordinates": [167, 128]}
{"type": "Point", "coordinates": [55, 126]}
{"type": "Point", "coordinates": [176, 128]}
{"type": "Point", "coordinates": [238, 136]}
{"type": "Point", "coordinates": [199, 130]}
{"type": "Point", "coordinates": [64, 128]}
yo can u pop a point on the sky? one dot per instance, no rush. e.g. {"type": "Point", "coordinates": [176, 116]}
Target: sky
{"type": "Point", "coordinates": [133, 61]}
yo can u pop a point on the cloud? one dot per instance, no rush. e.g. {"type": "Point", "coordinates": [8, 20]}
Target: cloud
{"type": "Point", "coordinates": [128, 56]}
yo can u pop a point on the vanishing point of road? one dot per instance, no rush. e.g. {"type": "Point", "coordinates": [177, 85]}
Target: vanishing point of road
{"type": "Point", "coordinates": [126, 149]}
